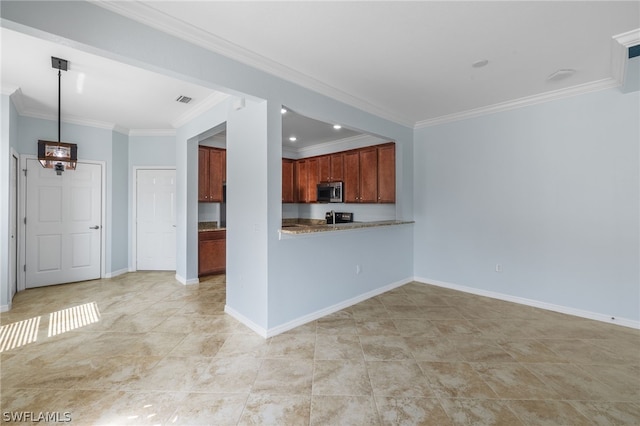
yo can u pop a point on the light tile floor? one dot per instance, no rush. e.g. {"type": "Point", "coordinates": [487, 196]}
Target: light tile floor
{"type": "Point", "coordinates": [146, 350]}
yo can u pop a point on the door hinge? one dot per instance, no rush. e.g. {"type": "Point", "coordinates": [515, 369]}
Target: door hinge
{"type": "Point", "coordinates": [25, 221]}
{"type": "Point", "coordinates": [24, 268]}
{"type": "Point", "coordinates": [25, 171]}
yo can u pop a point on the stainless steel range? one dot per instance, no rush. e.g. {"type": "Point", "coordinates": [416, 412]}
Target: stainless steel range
{"type": "Point", "coordinates": [334, 217]}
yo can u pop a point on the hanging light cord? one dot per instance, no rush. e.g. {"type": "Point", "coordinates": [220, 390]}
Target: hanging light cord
{"type": "Point", "coordinates": [59, 80]}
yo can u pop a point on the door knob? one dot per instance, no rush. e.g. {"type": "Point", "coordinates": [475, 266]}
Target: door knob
{"type": "Point", "coordinates": [94, 227]}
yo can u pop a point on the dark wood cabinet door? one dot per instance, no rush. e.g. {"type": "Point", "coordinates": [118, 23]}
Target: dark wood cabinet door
{"type": "Point", "coordinates": [351, 179]}
{"type": "Point", "coordinates": [216, 174]}
{"type": "Point", "coordinates": [313, 179]}
{"type": "Point", "coordinates": [224, 166]}
{"type": "Point", "coordinates": [212, 252]}
{"type": "Point", "coordinates": [203, 174]}
{"type": "Point", "coordinates": [301, 181]}
{"type": "Point", "coordinates": [287, 181]}
{"type": "Point", "coordinates": [387, 173]}
{"type": "Point", "coordinates": [337, 167]}
{"type": "Point", "coordinates": [368, 175]}
{"type": "Point", "coordinates": [324, 168]}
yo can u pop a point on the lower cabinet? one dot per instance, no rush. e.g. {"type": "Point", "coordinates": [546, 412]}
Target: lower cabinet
{"type": "Point", "coordinates": [212, 252]}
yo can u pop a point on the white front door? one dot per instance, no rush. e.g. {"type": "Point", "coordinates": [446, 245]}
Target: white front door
{"type": "Point", "coordinates": [156, 220]}
{"type": "Point", "coordinates": [63, 226]}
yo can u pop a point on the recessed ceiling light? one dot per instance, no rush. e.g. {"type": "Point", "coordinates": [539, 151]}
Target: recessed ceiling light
{"type": "Point", "coordinates": [561, 74]}
{"type": "Point", "coordinates": [481, 63]}
{"type": "Point", "coordinates": [283, 110]}
{"type": "Point", "coordinates": [337, 126]}
{"type": "Point", "coordinates": [293, 139]}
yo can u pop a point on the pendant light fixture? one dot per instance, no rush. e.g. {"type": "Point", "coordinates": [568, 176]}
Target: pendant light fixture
{"type": "Point", "coordinates": [58, 155]}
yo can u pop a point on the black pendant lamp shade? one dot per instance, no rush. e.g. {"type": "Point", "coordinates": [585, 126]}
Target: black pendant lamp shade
{"type": "Point", "coordinates": [58, 155]}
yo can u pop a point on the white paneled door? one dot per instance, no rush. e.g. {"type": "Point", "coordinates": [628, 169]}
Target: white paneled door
{"type": "Point", "coordinates": [13, 228]}
{"type": "Point", "coordinates": [156, 220]}
{"type": "Point", "coordinates": [63, 226]}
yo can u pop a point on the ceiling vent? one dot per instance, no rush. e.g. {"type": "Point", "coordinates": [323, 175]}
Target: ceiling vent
{"type": "Point", "coordinates": [183, 99]}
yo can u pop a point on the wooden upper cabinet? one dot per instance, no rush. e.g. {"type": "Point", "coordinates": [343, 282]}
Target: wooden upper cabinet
{"type": "Point", "coordinates": [211, 174]}
{"type": "Point", "coordinates": [224, 166]}
{"type": "Point", "coordinates": [324, 168]}
{"type": "Point", "coordinates": [351, 190]}
{"type": "Point", "coordinates": [203, 174]}
{"type": "Point", "coordinates": [387, 173]}
{"type": "Point", "coordinates": [301, 187]}
{"type": "Point", "coordinates": [368, 175]}
{"type": "Point", "coordinates": [337, 167]}
{"type": "Point", "coordinates": [216, 174]}
{"type": "Point", "coordinates": [288, 183]}
{"type": "Point", "coordinates": [313, 178]}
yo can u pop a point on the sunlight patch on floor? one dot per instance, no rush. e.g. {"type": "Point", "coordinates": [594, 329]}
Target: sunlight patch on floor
{"type": "Point", "coordinates": [72, 318]}
{"type": "Point", "coordinates": [19, 333]}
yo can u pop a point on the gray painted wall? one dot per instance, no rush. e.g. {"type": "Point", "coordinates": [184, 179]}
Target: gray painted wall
{"type": "Point", "coordinates": [152, 151]}
{"type": "Point", "coordinates": [550, 191]}
{"type": "Point", "coordinates": [8, 140]}
{"type": "Point", "coordinates": [120, 205]}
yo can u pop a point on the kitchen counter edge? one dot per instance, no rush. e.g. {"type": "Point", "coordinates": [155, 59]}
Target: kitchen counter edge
{"type": "Point", "coordinates": [298, 230]}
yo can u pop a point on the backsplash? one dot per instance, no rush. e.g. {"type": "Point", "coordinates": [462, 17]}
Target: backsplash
{"type": "Point", "coordinates": [208, 212]}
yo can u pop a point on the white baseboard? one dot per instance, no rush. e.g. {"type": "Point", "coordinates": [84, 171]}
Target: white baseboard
{"type": "Point", "coordinates": [625, 322]}
{"type": "Point", "coordinates": [334, 308]}
{"type": "Point", "coordinates": [116, 273]}
{"type": "Point", "coordinates": [185, 281]}
{"type": "Point", "coordinates": [5, 308]}
{"type": "Point", "coordinates": [246, 321]}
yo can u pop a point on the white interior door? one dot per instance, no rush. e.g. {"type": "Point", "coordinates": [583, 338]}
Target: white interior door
{"type": "Point", "coordinates": [13, 228]}
{"type": "Point", "coordinates": [63, 228]}
{"type": "Point", "coordinates": [156, 220]}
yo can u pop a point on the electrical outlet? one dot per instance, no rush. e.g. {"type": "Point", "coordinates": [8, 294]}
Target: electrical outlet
{"type": "Point", "coordinates": [498, 267]}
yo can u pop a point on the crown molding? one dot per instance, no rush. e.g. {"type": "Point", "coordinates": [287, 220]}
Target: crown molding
{"type": "Point", "coordinates": [70, 119]}
{"type": "Point", "coordinates": [580, 89]}
{"type": "Point", "coordinates": [168, 24]}
{"type": "Point", "coordinates": [152, 132]}
{"type": "Point", "coordinates": [209, 102]}
{"type": "Point", "coordinates": [17, 97]}
{"type": "Point", "coordinates": [8, 90]}
{"type": "Point", "coordinates": [345, 144]}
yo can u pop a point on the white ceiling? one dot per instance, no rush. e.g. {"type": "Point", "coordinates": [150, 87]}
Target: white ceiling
{"type": "Point", "coordinates": [406, 61]}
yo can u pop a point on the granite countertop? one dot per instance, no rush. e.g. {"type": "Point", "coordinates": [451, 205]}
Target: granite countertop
{"type": "Point", "coordinates": [308, 226]}
{"type": "Point", "coordinates": [290, 226]}
{"type": "Point", "coordinates": [209, 226]}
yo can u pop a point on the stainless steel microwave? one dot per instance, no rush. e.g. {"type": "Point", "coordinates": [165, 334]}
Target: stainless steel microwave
{"type": "Point", "coordinates": [330, 192]}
